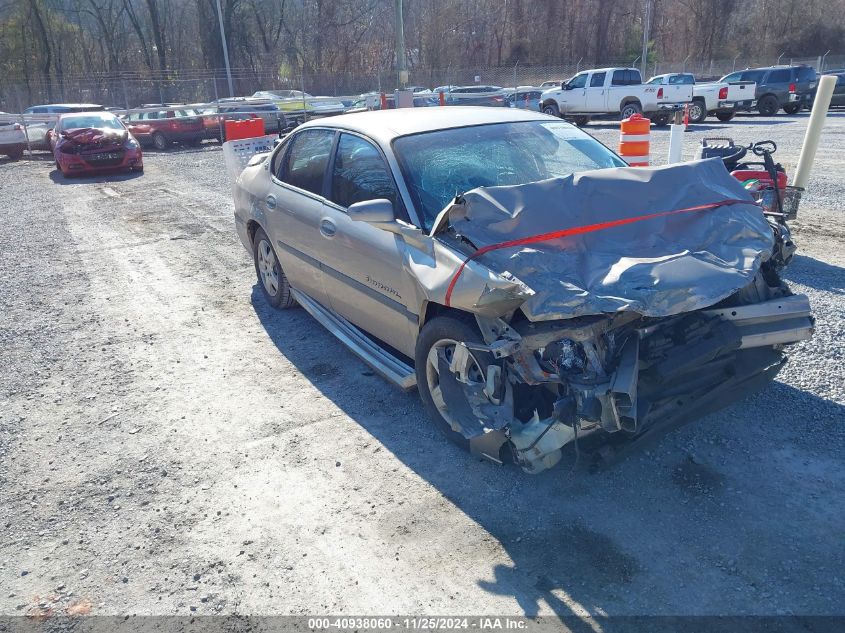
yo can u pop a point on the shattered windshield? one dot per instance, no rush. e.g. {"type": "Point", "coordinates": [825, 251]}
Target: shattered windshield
{"type": "Point", "coordinates": [439, 165]}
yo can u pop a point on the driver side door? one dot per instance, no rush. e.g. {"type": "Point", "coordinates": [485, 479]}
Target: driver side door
{"type": "Point", "coordinates": [363, 266]}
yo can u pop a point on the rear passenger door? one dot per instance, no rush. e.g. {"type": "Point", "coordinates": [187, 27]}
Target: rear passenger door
{"type": "Point", "coordinates": [295, 207]}
{"type": "Point", "coordinates": [363, 269]}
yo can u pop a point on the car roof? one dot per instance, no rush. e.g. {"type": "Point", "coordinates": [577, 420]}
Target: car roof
{"type": "Point", "coordinates": [67, 105]}
{"type": "Point", "coordinates": [386, 125]}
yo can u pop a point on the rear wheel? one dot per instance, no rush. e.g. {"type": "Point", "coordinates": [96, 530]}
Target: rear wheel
{"type": "Point", "coordinates": [159, 141]}
{"type": "Point", "coordinates": [438, 339]}
{"type": "Point", "coordinates": [724, 117]}
{"type": "Point", "coordinates": [630, 109]}
{"type": "Point", "coordinates": [551, 109]}
{"type": "Point", "coordinates": [792, 108]}
{"type": "Point", "coordinates": [697, 111]}
{"type": "Point", "coordinates": [274, 284]}
{"type": "Point", "coordinates": [581, 121]}
{"type": "Point", "coordinates": [768, 105]}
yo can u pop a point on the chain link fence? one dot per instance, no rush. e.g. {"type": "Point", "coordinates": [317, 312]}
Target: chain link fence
{"type": "Point", "coordinates": [132, 89]}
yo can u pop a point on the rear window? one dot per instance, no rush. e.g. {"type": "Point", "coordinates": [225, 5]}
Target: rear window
{"type": "Point", "coordinates": [627, 77]}
{"type": "Point", "coordinates": [683, 80]}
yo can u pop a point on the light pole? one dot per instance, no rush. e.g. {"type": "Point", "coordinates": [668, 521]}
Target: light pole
{"type": "Point", "coordinates": [646, 29]}
{"type": "Point", "coordinates": [225, 49]}
{"type": "Point", "coordinates": [400, 46]}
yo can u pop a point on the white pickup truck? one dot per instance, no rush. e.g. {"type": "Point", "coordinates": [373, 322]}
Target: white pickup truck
{"type": "Point", "coordinates": [717, 98]}
{"type": "Point", "coordinates": [617, 92]}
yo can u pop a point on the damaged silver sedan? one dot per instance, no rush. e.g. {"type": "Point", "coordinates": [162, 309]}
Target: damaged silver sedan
{"type": "Point", "coordinates": [535, 289]}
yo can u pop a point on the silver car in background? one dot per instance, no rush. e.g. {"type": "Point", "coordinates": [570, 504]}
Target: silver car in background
{"type": "Point", "coordinates": [532, 287]}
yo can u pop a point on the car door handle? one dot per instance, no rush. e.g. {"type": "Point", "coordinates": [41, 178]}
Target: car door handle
{"type": "Point", "coordinates": [271, 201]}
{"type": "Point", "coordinates": [327, 228]}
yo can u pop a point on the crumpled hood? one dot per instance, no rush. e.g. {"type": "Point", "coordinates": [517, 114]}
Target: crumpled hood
{"type": "Point", "coordinates": [657, 241]}
{"type": "Point", "coordinates": [95, 136]}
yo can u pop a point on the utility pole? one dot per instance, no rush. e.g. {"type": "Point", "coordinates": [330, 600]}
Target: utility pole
{"type": "Point", "coordinates": [400, 46]}
{"type": "Point", "coordinates": [225, 49]}
{"type": "Point", "coordinates": [646, 33]}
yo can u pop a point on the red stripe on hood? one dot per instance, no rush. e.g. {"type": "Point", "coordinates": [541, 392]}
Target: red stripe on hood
{"type": "Point", "coordinates": [579, 230]}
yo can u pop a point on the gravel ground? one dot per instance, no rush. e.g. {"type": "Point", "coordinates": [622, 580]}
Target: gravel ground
{"type": "Point", "coordinates": [169, 445]}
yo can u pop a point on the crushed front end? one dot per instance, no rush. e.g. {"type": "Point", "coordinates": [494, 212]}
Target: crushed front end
{"type": "Point", "coordinates": [622, 333]}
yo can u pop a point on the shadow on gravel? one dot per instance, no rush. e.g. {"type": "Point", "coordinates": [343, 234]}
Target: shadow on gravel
{"type": "Point", "coordinates": [57, 177]}
{"type": "Point", "coordinates": [594, 541]}
{"type": "Point", "coordinates": [817, 274]}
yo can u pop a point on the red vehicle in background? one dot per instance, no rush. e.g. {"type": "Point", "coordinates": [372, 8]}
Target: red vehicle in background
{"type": "Point", "coordinates": [93, 142]}
{"type": "Point", "coordinates": [162, 128]}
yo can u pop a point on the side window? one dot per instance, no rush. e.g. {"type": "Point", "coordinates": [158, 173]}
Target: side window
{"type": "Point", "coordinates": [578, 81]}
{"type": "Point", "coordinates": [360, 173]}
{"type": "Point", "coordinates": [304, 165]}
{"type": "Point", "coordinates": [753, 75]}
{"type": "Point", "coordinates": [634, 77]}
{"type": "Point", "coordinates": [782, 76]}
{"type": "Point", "coordinates": [619, 77]}
{"type": "Point", "coordinates": [597, 80]}
{"type": "Point", "coordinates": [806, 73]}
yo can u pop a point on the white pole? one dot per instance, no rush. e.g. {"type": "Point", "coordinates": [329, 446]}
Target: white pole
{"type": "Point", "coordinates": [676, 142]}
{"type": "Point", "coordinates": [225, 49]}
{"type": "Point", "coordinates": [814, 131]}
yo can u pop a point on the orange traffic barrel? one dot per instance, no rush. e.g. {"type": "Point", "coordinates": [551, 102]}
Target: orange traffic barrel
{"type": "Point", "coordinates": [635, 134]}
{"type": "Point", "coordinates": [248, 128]}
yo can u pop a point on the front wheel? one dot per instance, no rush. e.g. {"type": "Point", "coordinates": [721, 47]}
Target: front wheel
{"type": "Point", "coordinates": [630, 109]}
{"type": "Point", "coordinates": [724, 117]}
{"type": "Point", "coordinates": [272, 279]}
{"type": "Point", "coordinates": [436, 347]}
{"type": "Point", "coordinates": [660, 120]}
{"type": "Point", "coordinates": [551, 109]}
{"type": "Point", "coordinates": [792, 108]}
{"type": "Point", "coordinates": [697, 112]}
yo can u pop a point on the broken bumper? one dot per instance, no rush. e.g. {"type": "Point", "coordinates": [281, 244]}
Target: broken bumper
{"type": "Point", "coordinates": [666, 372]}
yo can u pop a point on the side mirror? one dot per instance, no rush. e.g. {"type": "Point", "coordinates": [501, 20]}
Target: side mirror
{"type": "Point", "coordinates": [378, 211]}
{"type": "Point", "coordinates": [563, 85]}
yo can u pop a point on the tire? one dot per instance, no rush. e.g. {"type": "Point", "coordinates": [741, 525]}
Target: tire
{"type": "Point", "coordinates": [768, 105]}
{"type": "Point", "coordinates": [792, 108]}
{"type": "Point", "coordinates": [630, 109]}
{"type": "Point", "coordinates": [551, 109]}
{"type": "Point", "coordinates": [697, 111]}
{"type": "Point", "coordinates": [724, 117]}
{"type": "Point", "coordinates": [271, 278]}
{"type": "Point", "coordinates": [442, 330]}
{"type": "Point", "coordinates": [160, 141]}
{"type": "Point", "coordinates": [661, 120]}
{"type": "Point", "coordinates": [195, 142]}
{"type": "Point", "coordinates": [138, 170]}
{"type": "Point", "coordinates": [581, 121]}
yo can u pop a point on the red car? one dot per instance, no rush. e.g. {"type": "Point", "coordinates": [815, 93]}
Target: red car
{"type": "Point", "coordinates": [92, 142]}
{"type": "Point", "coordinates": [162, 128]}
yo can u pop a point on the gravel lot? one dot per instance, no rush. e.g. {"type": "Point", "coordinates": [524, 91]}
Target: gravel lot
{"type": "Point", "coordinates": [169, 445]}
